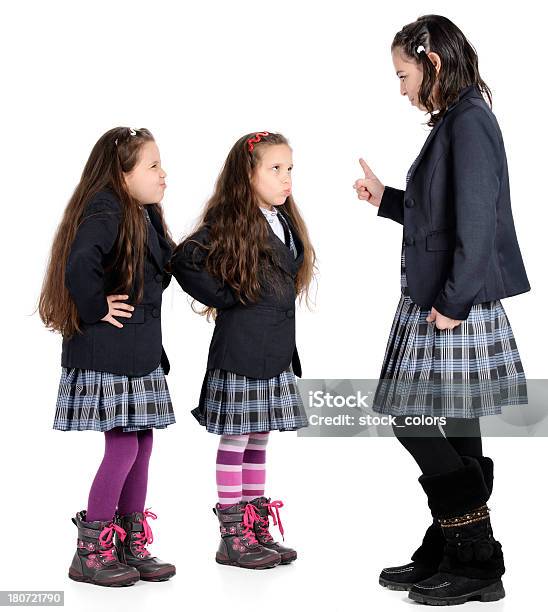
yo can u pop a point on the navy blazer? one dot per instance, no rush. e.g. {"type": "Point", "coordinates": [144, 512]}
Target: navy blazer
{"type": "Point", "coordinates": [256, 339]}
{"type": "Point", "coordinates": [461, 247]}
{"type": "Point", "coordinates": [136, 349]}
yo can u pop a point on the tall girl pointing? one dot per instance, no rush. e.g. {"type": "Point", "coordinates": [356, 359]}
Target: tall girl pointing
{"type": "Point", "coordinates": [451, 351]}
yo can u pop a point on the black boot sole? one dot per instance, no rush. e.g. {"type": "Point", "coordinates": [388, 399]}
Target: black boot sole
{"type": "Point", "coordinates": [267, 565]}
{"type": "Point", "coordinates": [120, 583]}
{"type": "Point", "coordinates": [395, 586]}
{"type": "Point", "coordinates": [493, 592]}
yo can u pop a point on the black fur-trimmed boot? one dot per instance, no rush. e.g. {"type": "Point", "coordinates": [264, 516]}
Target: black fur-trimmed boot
{"type": "Point", "coordinates": [95, 559]}
{"type": "Point", "coordinates": [132, 549]}
{"type": "Point", "coordinates": [426, 559]}
{"type": "Point", "coordinates": [424, 562]}
{"type": "Point", "coordinates": [239, 545]}
{"type": "Point", "coordinates": [473, 563]}
{"type": "Point", "coordinates": [265, 509]}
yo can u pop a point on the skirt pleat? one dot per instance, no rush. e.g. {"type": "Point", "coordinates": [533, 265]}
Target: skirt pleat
{"type": "Point", "coordinates": [471, 371]}
{"type": "Point", "coordinates": [233, 404]}
{"type": "Point", "coordinates": [99, 401]}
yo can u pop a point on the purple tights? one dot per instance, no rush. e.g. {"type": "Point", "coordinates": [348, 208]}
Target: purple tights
{"type": "Point", "coordinates": [121, 479]}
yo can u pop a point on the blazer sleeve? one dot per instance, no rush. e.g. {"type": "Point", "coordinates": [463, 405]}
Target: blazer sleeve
{"type": "Point", "coordinates": [391, 205]}
{"type": "Point", "coordinates": [84, 273]}
{"type": "Point", "coordinates": [189, 268]}
{"type": "Point", "coordinates": [476, 159]}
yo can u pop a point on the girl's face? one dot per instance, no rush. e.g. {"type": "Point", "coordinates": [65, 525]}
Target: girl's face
{"type": "Point", "coordinates": [410, 74]}
{"type": "Point", "coordinates": [146, 182]}
{"type": "Point", "coordinates": [271, 178]}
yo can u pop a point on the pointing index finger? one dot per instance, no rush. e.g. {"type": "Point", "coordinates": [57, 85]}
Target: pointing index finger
{"type": "Point", "coordinates": [366, 169]}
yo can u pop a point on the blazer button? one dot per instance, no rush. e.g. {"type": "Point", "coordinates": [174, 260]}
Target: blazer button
{"type": "Point", "coordinates": [289, 313]}
{"type": "Point", "coordinates": [410, 203]}
{"type": "Point", "coordinates": [159, 278]}
{"type": "Point", "coordinates": [409, 241]}
{"type": "Point", "coordinates": [155, 313]}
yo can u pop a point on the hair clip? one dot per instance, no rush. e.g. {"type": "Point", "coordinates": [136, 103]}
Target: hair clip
{"type": "Point", "coordinates": [419, 49]}
{"type": "Point", "coordinates": [132, 132]}
{"type": "Point", "coordinates": [255, 139]}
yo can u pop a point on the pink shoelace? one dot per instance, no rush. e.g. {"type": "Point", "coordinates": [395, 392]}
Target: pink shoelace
{"type": "Point", "coordinates": [274, 512]}
{"type": "Point", "coordinates": [145, 537]}
{"type": "Point", "coordinates": [106, 540]}
{"type": "Point", "coordinates": [250, 516]}
{"type": "Point", "coordinates": [263, 529]}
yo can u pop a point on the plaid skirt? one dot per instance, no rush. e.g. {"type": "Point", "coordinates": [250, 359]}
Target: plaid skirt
{"type": "Point", "coordinates": [471, 371]}
{"type": "Point", "coordinates": [100, 401]}
{"type": "Point", "coordinates": [233, 404]}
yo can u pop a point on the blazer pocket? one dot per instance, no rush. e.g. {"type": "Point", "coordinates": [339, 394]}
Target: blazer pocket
{"type": "Point", "coordinates": [281, 334]}
{"type": "Point", "coordinates": [441, 240]}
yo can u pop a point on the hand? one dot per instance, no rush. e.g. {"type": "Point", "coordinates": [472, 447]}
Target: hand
{"type": "Point", "coordinates": [441, 321]}
{"type": "Point", "coordinates": [117, 308]}
{"type": "Point", "coordinates": [369, 188]}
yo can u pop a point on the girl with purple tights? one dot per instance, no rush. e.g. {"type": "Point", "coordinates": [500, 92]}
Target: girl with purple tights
{"type": "Point", "coordinates": [103, 293]}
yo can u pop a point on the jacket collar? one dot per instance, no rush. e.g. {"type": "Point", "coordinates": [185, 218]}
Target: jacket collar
{"type": "Point", "coordinates": [471, 91]}
{"type": "Point", "coordinates": [468, 92]}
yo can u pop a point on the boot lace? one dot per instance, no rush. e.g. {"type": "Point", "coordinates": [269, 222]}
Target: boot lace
{"type": "Point", "coordinates": [250, 516]}
{"type": "Point", "coordinates": [273, 511]}
{"type": "Point", "coordinates": [145, 537]}
{"type": "Point", "coordinates": [264, 533]}
{"type": "Point", "coordinates": [106, 540]}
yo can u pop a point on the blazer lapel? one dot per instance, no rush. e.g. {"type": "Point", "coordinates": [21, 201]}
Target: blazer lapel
{"type": "Point", "coordinates": [286, 261]}
{"type": "Point", "coordinates": [157, 244]}
{"type": "Point", "coordinates": [298, 242]}
{"type": "Point", "coordinates": [425, 147]}
{"type": "Point", "coordinates": [468, 92]}
{"type": "Point", "coordinates": [284, 255]}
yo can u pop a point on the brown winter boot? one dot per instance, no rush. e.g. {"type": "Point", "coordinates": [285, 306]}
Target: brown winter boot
{"type": "Point", "coordinates": [265, 509]}
{"type": "Point", "coordinates": [132, 551]}
{"type": "Point", "coordinates": [95, 558]}
{"type": "Point", "coordinates": [239, 545]}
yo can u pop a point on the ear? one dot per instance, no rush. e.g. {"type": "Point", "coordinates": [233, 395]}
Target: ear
{"type": "Point", "coordinates": [436, 60]}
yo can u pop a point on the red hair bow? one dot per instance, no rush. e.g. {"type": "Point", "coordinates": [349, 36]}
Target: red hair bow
{"type": "Point", "coordinates": [255, 139]}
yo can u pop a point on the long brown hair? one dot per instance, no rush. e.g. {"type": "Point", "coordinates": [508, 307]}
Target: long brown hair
{"type": "Point", "coordinates": [239, 252]}
{"type": "Point", "coordinates": [459, 61]}
{"type": "Point", "coordinates": [116, 152]}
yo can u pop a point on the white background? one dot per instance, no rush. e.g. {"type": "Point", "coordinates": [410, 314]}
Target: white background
{"type": "Point", "coordinates": [199, 76]}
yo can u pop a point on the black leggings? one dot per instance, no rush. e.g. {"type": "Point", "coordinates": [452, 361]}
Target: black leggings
{"type": "Point", "coordinates": [436, 451]}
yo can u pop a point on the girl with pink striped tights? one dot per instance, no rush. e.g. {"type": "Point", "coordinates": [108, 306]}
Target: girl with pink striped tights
{"type": "Point", "coordinates": [247, 261]}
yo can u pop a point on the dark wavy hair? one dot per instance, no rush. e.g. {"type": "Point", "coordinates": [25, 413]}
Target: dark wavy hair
{"type": "Point", "coordinates": [239, 252]}
{"type": "Point", "coordinates": [459, 61]}
{"type": "Point", "coordinates": [115, 153]}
